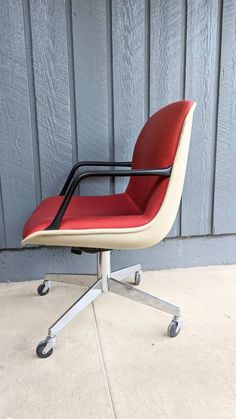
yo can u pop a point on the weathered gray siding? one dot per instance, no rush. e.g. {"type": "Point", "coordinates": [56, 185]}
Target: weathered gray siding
{"type": "Point", "coordinates": [225, 176]}
{"type": "Point", "coordinates": [167, 60]}
{"type": "Point", "coordinates": [78, 79]}
{"type": "Point", "coordinates": [203, 27]}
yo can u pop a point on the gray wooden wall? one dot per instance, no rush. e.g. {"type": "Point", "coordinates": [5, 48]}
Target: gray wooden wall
{"type": "Point", "coordinates": [78, 79]}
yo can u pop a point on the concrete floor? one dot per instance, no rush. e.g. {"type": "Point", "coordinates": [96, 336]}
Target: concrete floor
{"type": "Point", "coordinates": [114, 360]}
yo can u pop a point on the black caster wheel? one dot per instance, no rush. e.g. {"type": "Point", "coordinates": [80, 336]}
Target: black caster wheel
{"type": "Point", "coordinates": [137, 278]}
{"type": "Point", "coordinates": [40, 348]}
{"type": "Point", "coordinates": [42, 289]}
{"type": "Point", "coordinates": [174, 328]}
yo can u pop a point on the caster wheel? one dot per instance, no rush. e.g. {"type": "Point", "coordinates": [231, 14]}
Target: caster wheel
{"type": "Point", "coordinates": [40, 348]}
{"type": "Point", "coordinates": [43, 289]}
{"type": "Point", "coordinates": [137, 278]}
{"type": "Point", "coordinates": [174, 328]}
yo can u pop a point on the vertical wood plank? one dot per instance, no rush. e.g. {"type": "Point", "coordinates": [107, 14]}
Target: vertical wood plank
{"type": "Point", "coordinates": [128, 36]}
{"type": "Point", "coordinates": [201, 86]}
{"type": "Point", "coordinates": [16, 154]}
{"type": "Point", "coordinates": [49, 39]}
{"type": "Point", "coordinates": [167, 30]}
{"type": "Point", "coordinates": [225, 186]}
{"type": "Point", "coordinates": [91, 83]}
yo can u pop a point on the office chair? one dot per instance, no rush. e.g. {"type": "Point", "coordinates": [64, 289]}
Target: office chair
{"type": "Point", "coordinates": [135, 219]}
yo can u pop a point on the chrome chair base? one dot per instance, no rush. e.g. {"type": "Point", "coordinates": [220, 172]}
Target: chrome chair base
{"type": "Point", "coordinates": [104, 281]}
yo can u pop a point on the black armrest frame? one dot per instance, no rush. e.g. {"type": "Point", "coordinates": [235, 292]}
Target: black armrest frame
{"type": "Point", "coordinates": [166, 172]}
{"type": "Point", "coordinates": [91, 163]}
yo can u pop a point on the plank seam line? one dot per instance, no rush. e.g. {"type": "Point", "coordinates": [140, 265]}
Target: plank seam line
{"type": "Point", "coordinates": [32, 99]}
{"type": "Point", "coordinates": [71, 80]}
{"type": "Point", "coordinates": [184, 61]}
{"type": "Point", "coordinates": [184, 47]}
{"type": "Point", "coordinates": [3, 217]}
{"type": "Point", "coordinates": [147, 57]}
{"type": "Point", "coordinates": [110, 69]}
{"type": "Point", "coordinates": [103, 364]}
{"type": "Point", "coordinates": [219, 43]}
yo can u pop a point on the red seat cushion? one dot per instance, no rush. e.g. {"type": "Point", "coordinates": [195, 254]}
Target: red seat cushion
{"type": "Point", "coordinates": [87, 212]}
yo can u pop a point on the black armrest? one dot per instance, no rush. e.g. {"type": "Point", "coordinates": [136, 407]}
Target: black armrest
{"type": "Point", "coordinates": [107, 173]}
{"type": "Point", "coordinates": [90, 163]}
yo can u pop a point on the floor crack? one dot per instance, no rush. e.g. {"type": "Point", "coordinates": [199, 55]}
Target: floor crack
{"type": "Point", "coordinates": [103, 364]}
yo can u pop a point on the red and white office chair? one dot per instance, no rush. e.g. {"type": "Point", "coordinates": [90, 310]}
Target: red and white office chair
{"type": "Point", "coordinates": [138, 218]}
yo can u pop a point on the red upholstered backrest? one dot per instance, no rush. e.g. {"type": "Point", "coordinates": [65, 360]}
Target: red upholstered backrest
{"type": "Point", "coordinates": [155, 148]}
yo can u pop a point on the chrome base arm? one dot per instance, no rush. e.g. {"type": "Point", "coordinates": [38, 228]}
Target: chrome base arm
{"type": "Point", "coordinates": [125, 272]}
{"type": "Point", "coordinates": [142, 297]}
{"type": "Point", "coordinates": [90, 295]}
{"type": "Point", "coordinates": [82, 280]}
